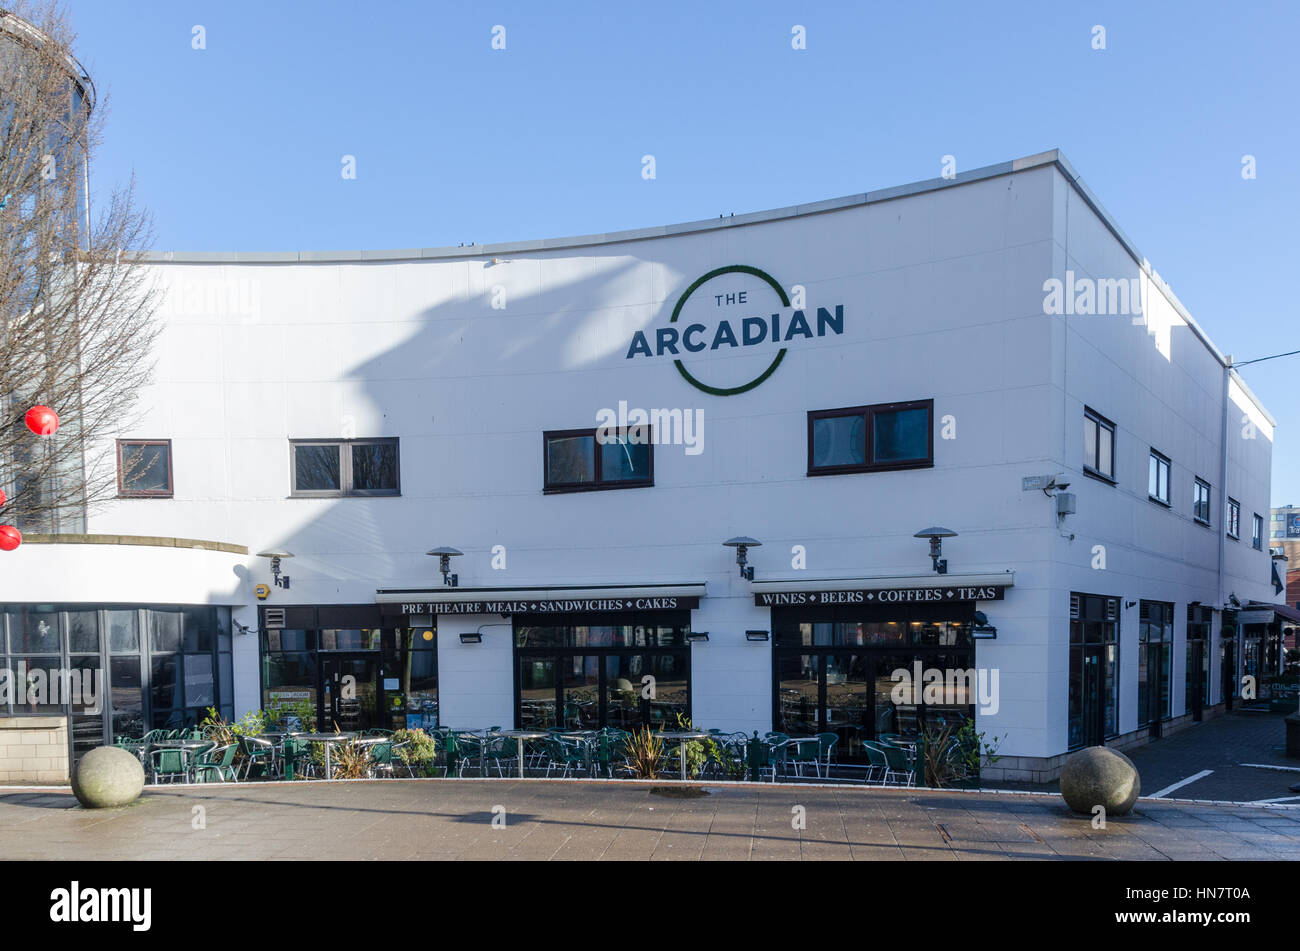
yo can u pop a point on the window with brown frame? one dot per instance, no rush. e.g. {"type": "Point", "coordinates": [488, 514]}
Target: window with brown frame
{"type": "Point", "coordinates": [579, 460]}
{"type": "Point", "coordinates": [144, 468]}
{"type": "Point", "coordinates": [878, 438]}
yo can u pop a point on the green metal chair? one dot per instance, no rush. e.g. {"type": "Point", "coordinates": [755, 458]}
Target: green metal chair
{"type": "Point", "coordinates": [170, 764]}
{"type": "Point", "coordinates": [218, 761]}
{"type": "Point", "coordinates": [380, 759]}
{"type": "Point", "coordinates": [898, 764]}
{"type": "Point", "coordinates": [826, 748]}
{"type": "Point", "coordinates": [877, 765]}
{"type": "Point", "coordinates": [257, 752]}
{"type": "Point", "coordinates": [567, 754]}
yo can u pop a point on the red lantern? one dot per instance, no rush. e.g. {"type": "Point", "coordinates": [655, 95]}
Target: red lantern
{"type": "Point", "coordinates": [10, 538]}
{"type": "Point", "coordinates": [42, 420]}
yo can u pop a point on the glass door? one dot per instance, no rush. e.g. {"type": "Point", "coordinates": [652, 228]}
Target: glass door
{"type": "Point", "coordinates": [1094, 696]}
{"type": "Point", "coordinates": [798, 693]}
{"type": "Point", "coordinates": [1195, 679]}
{"type": "Point", "coordinates": [847, 708]}
{"type": "Point", "coordinates": [350, 692]}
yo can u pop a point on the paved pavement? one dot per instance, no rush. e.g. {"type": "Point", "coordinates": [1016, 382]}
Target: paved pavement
{"type": "Point", "coordinates": [1222, 745]}
{"type": "Point", "coordinates": [396, 819]}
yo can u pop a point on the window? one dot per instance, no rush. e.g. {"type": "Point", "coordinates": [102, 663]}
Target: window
{"type": "Point", "coordinates": [1155, 643]}
{"type": "Point", "coordinates": [878, 438]}
{"type": "Point", "coordinates": [580, 460]}
{"type": "Point", "coordinates": [1234, 519]}
{"type": "Point", "coordinates": [144, 468]}
{"type": "Point", "coordinates": [1093, 713]}
{"type": "Point", "coordinates": [1201, 502]}
{"type": "Point", "coordinates": [1158, 488]}
{"type": "Point", "coordinates": [1098, 445]}
{"type": "Point", "coordinates": [324, 468]}
{"type": "Point", "coordinates": [1257, 533]}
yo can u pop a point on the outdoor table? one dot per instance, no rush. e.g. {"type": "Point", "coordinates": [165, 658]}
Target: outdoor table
{"type": "Point", "coordinates": [519, 736]}
{"type": "Point", "coordinates": [328, 739]}
{"type": "Point", "coordinates": [683, 736]}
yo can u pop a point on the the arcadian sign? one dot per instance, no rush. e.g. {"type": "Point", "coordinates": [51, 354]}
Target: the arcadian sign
{"type": "Point", "coordinates": [742, 308]}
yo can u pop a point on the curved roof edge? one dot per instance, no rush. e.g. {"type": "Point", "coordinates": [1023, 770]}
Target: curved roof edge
{"type": "Point", "coordinates": [1054, 157]}
{"type": "Point", "coordinates": [24, 30]}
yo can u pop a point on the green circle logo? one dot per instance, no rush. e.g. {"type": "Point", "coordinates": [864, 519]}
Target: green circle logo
{"type": "Point", "coordinates": [681, 302]}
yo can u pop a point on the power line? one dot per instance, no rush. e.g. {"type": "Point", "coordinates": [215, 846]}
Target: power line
{"type": "Point", "coordinates": [1262, 359]}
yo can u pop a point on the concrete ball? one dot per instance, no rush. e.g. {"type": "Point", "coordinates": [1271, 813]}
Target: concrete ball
{"type": "Point", "coordinates": [107, 776]}
{"type": "Point", "coordinates": [1099, 776]}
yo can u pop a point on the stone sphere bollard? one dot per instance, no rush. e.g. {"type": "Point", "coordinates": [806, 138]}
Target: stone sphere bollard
{"type": "Point", "coordinates": [1099, 776]}
{"type": "Point", "coordinates": [107, 776]}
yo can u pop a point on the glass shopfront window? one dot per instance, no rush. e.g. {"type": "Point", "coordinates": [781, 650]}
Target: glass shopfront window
{"type": "Point", "coordinates": [835, 670]}
{"type": "Point", "coordinates": [394, 672]}
{"type": "Point", "coordinates": [1094, 670]}
{"type": "Point", "coordinates": [586, 671]}
{"type": "Point", "coordinates": [1155, 648]}
{"type": "Point", "coordinates": [92, 663]}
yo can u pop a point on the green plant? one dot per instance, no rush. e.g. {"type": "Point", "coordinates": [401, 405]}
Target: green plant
{"type": "Point", "coordinates": [954, 754]}
{"type": "Point", "coordinates": [419, 752]}
{"type": "Point", "coordinates": [644, 750]}
{"type": "Point", "coordinates": [215, 728]}
{"type": "Point", "coordinates": [350, 760]}
{"type": "Point", "coordinates": [697, 753]}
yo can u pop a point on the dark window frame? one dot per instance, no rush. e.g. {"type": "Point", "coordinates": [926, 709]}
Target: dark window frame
{"type": "Point", "coordinates": [1103, 425]}
{"type": "Point", "coordinates": [1197, 485]}
{"type": "Point", "coordinates": [869, 415]}
{"type": "Point", "coordinates": [345, 489]}
{"type": "Point", "coordinates": [1161, 460]}
{"type": "Point", "coordinates": [123, 492]}
{"type": "Point", "coordinates": [599, 484]}
{"type": "Point", "coordinates": [1232, 524]}
{"type": "Point", "coordinates": [1257, 532]}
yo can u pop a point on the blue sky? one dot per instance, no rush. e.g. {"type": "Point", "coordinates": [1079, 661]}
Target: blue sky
{"type": "Point", "coordinates": [238, 146]}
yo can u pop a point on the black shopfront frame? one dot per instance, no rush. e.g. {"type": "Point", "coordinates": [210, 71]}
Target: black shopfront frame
{"type": "Point", "coordinates": [786, 621]}
{"type": "Point", "coordinates": [679, 651]}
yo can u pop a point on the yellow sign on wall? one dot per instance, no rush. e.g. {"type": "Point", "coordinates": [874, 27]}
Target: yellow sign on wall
{"type": "Point", "coordinates": [262, 591]}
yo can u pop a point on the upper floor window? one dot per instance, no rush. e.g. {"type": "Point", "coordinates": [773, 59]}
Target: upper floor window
{"type": "Point", "coordinates": [580, 460]}
{"type": "Point", "coordinates": [1201, 501]}
{"type": "Point", "coordinates": [1098, 445]}
{"type": "Point", "coordinates": [871, 438]}
{"type": "Point", "coordinates": [144, 468]}
{"type": "Point", "coordinates": [333, 467]}
{"type": "Point", "coordinates": [1234, 519]}
{"type": "Point", "coordinates": [1257, 535]}
{"type": "Point", "coordinates": [1158, 488]}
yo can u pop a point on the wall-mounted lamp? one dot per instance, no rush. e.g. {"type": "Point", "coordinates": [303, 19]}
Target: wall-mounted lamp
{"type": "Point", "coordinates": [742, 544]}
{"type": "Point", "coordinates": [935, 535]}
{"type": "Point", "coordinates": [445, 555]}
{"type": "Point", "coordinates": [982, 630]}
{"type": "Point", "coordinates": [471, 637]}
{"type": "Point", "coordinates": [697, 636]}
{"type": "Point", "coordinates": [275, 556]}
{"type": "Point", "coordinates": [756, 635]}
{"type": "Point", "coordinates": [1129, 604]}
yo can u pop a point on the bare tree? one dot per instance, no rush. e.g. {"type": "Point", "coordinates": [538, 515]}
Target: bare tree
{"type": "Point", "coordinates": [78, 323]}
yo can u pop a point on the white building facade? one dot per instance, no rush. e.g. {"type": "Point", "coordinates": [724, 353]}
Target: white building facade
{"type": "Point", "coordinates": [828, 380]}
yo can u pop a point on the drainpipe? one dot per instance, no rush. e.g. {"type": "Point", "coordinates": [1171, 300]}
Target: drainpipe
{"type": "Point", "coordinates": [1223, 478]}
{"type": "Point", "coordinates": [1223, 515]}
